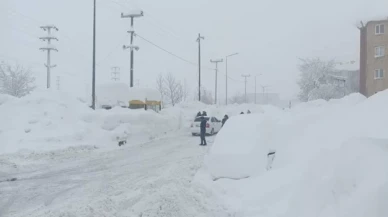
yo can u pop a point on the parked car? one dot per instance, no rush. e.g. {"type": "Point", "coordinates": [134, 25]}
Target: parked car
{"type": "Point", "coordinates": [213, 125]}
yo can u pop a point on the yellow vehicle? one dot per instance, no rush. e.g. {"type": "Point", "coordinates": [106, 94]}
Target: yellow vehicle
{"type": "Point", "coordinates": [116, 94]}
{"type": "Point", "coordinates": [145, 98]}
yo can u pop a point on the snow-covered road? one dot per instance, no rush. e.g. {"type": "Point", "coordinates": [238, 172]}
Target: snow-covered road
{"type": "Point", "coordinates": [153, 179]}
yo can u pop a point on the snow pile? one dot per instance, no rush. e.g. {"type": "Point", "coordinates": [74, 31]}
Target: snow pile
{"type": "Point", "coordinates": [351, 182]}
{"type": "Point", "coordinates": [112, 93]}
{"type": "Point", "coordinates": [331, 160]}
{"type": "Point", "coordinates": [52, 120]}
{"type": "Point", "coordinates": [234, 154]}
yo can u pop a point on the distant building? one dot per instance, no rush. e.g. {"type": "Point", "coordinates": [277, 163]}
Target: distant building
{"type": "Point", "coordinates": [373, 57]}
{"type": "Point", "coordinates": [348, 79]}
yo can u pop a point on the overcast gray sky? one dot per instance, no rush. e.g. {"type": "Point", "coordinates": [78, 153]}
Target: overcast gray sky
{"type": "Point", "coordinates": [269, 36]}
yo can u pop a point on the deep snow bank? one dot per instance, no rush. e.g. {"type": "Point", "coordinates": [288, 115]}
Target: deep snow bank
{"type": "Point", "coordinates": [331, 160]}
{"type": "Point", "coordinates": [52, 120]}
{"type": "Point", "coordinates": [240, 148]}
{"type": "Point", "coordinates": [350, 182]}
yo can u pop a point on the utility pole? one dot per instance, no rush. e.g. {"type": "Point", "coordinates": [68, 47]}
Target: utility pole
{"type": "Point", "coordinates": [256, 89]}
{"type": "Point", "coordinates": [245, 77]}
{"type": "Point", "coordinates": [58, 82]}
{"type": "Point", "coordinates": [263, 89]}
{"type": "Point", "coordinates": [215, 91]}
{"type": "Point", "coordinates": [49, 48]}
{"type": "Point", "coordinates": [94, 58]}
{"type": "Point", "coordinates": [199, 65]}
{"type": "Point", "coordinates": [132, 15]}
{"type": "Point", "coordinates": [115, 74]}
{"type": "Point", "coordinates": [226, 77]}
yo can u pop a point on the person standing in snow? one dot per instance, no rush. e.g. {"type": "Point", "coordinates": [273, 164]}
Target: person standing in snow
{"type": "Point", "coordinates": [204, 113]}
{"type": "Point", "coordinates": [203, 131]}
{"type": "Point", "coordinates": [248, 112]}
{"type": "Point", "coordinates": [224, 120]}
{"type": "Point", "coordinates": [198, 114]}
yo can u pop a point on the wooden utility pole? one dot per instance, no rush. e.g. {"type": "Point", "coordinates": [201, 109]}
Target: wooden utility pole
{"type": "Point", "coordinates": [199, 65]}
{"type": "Point", "coordinates": [49, 47]}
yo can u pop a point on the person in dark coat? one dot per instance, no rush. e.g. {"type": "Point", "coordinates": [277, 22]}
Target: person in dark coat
{"type": "Point", "coordinates": [203, 131]}
{"type": "Point", "coordinates": [224, 120]}
{"type": "Point", "coordinates": [198, 114]}
{"type": "Point", "coordinates": [204, 113]}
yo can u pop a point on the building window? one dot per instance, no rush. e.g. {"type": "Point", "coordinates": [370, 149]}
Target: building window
{"type": "Point", "coordinates": [379, 73]}
{"type": "Point", "coordinates": [379, 29]}
{"type": "Point", "coordinates": [379, 51]}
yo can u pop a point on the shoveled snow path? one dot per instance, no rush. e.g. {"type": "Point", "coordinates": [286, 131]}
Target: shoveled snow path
{"type": "Point", "coordinates": [153, 179]}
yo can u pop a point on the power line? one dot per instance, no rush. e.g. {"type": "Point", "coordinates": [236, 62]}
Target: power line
{"type": "Point", "coordinates": [112, 50]}
{"type": "Point", "coordinates": [172, 54]}
{"type": "Point", "coordinates": [181, 58]}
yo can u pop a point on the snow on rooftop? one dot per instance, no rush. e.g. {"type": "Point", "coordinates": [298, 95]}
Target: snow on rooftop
{"type": "Point", "coordinates": [139, 93]}
{"type": "Point", "coordinates": [112, 93]}
{"type": "Point", "coordinates": [117, 93]}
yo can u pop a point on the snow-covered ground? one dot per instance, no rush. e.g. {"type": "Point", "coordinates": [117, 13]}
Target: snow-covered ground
{"type": "Point", "coordinates": [152, 179]}
{"type": "Point", "coordinates": [331, 160]}
{"type": "Point", "coordinates": [66, 160]}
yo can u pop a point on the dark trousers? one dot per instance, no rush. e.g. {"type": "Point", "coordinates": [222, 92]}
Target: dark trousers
{"type": "Point", "coordinates": [203, 140]}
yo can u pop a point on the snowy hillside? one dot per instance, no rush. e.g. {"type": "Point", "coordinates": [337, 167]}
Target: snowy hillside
{"type": "Point", "coordinates": [331, 160]}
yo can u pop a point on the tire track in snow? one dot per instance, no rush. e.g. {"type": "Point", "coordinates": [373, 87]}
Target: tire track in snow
{"type": "Point", "coordinates": [153, 179]}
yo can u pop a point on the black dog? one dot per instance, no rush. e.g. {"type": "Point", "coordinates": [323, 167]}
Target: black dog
{"type": "Point", "coordinates": [123, 142]}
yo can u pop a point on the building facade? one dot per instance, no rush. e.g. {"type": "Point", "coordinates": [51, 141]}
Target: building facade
{"type": "Point", "coordinates": [374, 57]}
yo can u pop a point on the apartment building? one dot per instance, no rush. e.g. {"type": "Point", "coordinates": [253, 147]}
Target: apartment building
{"type": "Point", "coordinates": [373, 57]}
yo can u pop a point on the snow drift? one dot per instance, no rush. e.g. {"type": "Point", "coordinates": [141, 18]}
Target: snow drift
{"type": "Point", "coordinates": [235, 151]}
{"type": "Point", "coordinates": [331, 160]}
{"type": "Point", "coordinates": [52, 120]}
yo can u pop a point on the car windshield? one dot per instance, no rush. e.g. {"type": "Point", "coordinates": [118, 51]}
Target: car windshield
{"type": "Point", "coordinates": [200, 118]}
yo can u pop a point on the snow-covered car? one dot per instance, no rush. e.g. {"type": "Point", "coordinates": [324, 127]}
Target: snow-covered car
{"type": "Point", "coordinates": [213, 125]}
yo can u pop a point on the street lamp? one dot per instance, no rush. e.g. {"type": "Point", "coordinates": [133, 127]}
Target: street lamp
{"type": "Point", "coordinates": [216, 61]}
{"type": "Point", "coordinates": [226, 77]}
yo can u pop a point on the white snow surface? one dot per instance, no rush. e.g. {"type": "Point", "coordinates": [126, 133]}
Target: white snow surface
{"type": "Point", "coordinates": [331, 159]}
{"type": "Point", "coordinates": [52, 120]}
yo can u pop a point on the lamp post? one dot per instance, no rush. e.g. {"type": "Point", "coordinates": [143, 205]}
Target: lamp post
{"type": "Point", "coordinates": [226, 77]}
{"type": "Point", "coordinates": [215, 87]}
